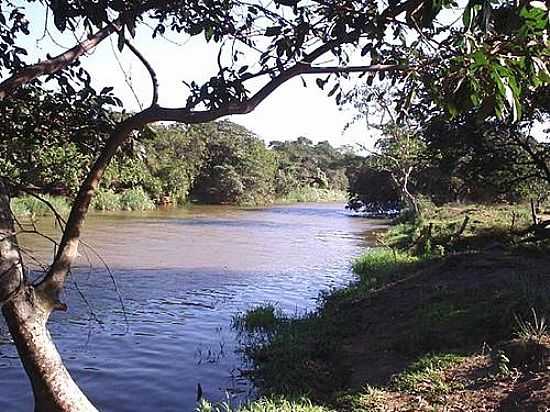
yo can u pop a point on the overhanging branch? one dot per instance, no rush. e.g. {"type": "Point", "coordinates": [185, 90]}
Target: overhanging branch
{"type": "Point", "coordinates": [356, 69]}
{"type": "Point", "coordinates": [56, 63]}
{"type": "Point", "coordinates": [150, 70]}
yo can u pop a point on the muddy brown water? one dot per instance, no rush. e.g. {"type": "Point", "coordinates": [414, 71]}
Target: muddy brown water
{"type": "Point", "coordinates": [183, 275]}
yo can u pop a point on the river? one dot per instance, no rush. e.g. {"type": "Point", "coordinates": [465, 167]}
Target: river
{"type": "Point", "coordinates": [182, 275]}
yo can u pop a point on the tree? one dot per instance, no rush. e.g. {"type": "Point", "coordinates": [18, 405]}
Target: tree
{"type": "Point", "coordinates": [304, 164]}
{"type": "Point", "coordinates": [286, 40]}
{"type": "Point", "coordinates": [397, 152]}
{"type": "Point", "coordinates": [237, 167]}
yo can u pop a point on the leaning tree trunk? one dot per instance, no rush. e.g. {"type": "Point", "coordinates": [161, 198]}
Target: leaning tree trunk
{"type": "Point", "coordinates": [26, 310]}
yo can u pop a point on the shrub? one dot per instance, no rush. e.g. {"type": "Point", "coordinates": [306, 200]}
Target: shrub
{"type": "Point", "coordinates": [313, 194]}
{"type": "Point", "coordinates": [131, 199]}
{"type": "Point", "coordinates": [136, 199]}
{"type": "Point", "coordinates": [106, 200]}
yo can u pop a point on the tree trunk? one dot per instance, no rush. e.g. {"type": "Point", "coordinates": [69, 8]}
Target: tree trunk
{"type": "Point", "coordinates": [26, 310]}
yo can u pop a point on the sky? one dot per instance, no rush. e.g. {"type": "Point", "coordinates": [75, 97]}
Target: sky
{"type": "Point", "coordinates": [290, 112]}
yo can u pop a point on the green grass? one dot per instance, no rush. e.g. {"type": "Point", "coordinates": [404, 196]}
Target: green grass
{"type": "Point", "coordinates": [291, 356]}
{"type": "Point", "coordinates": [426, 375]}
{"type": "Point", "coordinates": [278, 404]}
{"type": "Point", "coordinates": [264, 318]}
{"type": "Point", "coordinates": [106, 200]}
{"type": "Point", "coordinates": [422, 301]}
{"type": "Point", "coordinates": [136, 200]}
{"type": "Point", "coordinates": [313, 194]}
{"type": "Point", "coordinates": [381, 265]}
{"type": "Point", "coordinates": [369, 399]}
{"type": "Point", "coordinates": [129, 200]}
{"type": "Point", "coordinates": [29, 206]}
{"type": "Point", "coordinates": [458, 228]}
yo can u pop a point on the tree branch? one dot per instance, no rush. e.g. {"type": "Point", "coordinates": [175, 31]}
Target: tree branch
{"type": "Point", "coordinates": [356, 69]}
{"type": "Point", "coordinates": [57, 63]}
{"type": "Point", "coordinates": [149, 67]}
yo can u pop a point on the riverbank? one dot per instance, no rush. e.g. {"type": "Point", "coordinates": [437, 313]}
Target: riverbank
{"type": "Point", "coordinates": [136, 200]}
{"type": "Point", "coordinates": [449, 315]}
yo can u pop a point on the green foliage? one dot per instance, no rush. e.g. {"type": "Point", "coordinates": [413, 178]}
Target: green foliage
{"type": "Point", "coordinates": [174, 158]}
{"type": "Point", "coordinates": [30, 206]}
{"type": "Point", "coordinates": [237, 167]}
{"type": "Point", "coordinates": [456, 228]}
{"type": "Point", "coordinates": [265, 318]}
{"type": "Point", "coordinates": [381, 265]}
{"type": "Point", "coordinates": [39, 143]}
{"type": "Point", "coordinates": [372, 190]}
{"type": "Point", "coordinates": [313, 194]}
{"type": "Point", "coordinates": [136, 199]}
{"type": "Point", "coordinates": [471, 160]}
{"type": "Point", "coordinates": [306, 167]}
{"type": "Point", "coordinates": [369, 399]}
{"type": "Point", "coordinates": [214, 163]}
{"type": "Point", "coordinates": [130, 200]}
{"type": "Point", "coordinates": [106, 200]}
{"type": "Point", "coordinates": [293, 356]}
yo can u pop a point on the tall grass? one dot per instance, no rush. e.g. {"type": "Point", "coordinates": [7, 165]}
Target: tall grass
{"type": "Point", "coordinates": [106, 200]}
{"type": "Point", "coordinates": [29, 206]}
{"type": "Point", "coordinates": [264, 319]}
{"type": "Point", "coordinates": [130, 200]}
{"type": "Point", "coordinates": [313, 194]}
{"type": "Point", "coordinates": [380, 265]}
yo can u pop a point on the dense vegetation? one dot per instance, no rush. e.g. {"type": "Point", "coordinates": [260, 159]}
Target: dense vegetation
{"type": "Point", "coordinates": [464, 158]}
{"type": "Point", "coordinates": [218, 162]}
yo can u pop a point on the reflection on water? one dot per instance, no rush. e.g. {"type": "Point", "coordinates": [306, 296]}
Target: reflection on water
{"type": "Point", "coordinates": [183, 274]}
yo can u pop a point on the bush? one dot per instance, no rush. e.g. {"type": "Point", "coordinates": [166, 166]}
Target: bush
{"type": "Point", "coordinates": [265, 318]}
{"type": "Point", "coordinates": [131, 199]}
{"type": "Point", "coordinates": [136, 199]}
{"type": "Point", "coordinates": [106, 200]}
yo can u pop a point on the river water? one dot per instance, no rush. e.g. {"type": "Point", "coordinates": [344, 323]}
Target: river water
{"type": "Point", "coordinates": [183, 275]}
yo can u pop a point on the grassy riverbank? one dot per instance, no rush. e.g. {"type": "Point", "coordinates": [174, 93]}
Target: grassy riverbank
{"type": "Point", "coordinates": [448, 315]}
{"type": "Point", "coordinates": [104, 200]}
{"type": "Point", "coordinates": [138, 200]}
{"type": "Point", "coordinates": [313, 194]}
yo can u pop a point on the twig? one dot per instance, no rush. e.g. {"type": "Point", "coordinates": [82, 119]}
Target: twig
{"type": "Point", "coordinates": [113, 280]}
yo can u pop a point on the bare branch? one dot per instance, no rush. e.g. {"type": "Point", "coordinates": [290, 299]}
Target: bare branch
{"type": "Point", "coordinates": [127, 76]}
{"type": "Point", "coordinates": [152, 73]}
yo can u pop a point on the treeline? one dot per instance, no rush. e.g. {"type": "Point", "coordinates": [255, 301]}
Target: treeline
{"type": "Point", "coordinates": [224, 163]}
{"type": "Point", "coordinates": [217, 163]}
